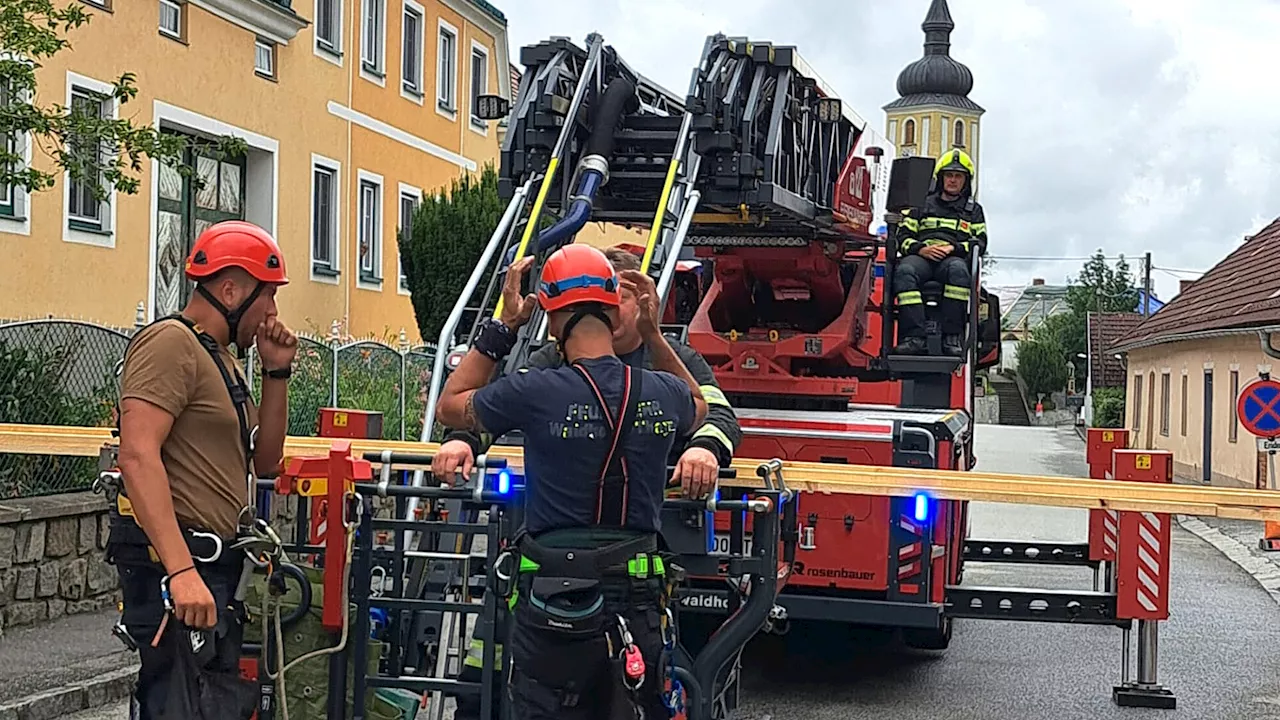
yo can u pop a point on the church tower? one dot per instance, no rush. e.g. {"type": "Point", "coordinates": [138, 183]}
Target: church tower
{"type": "Point", "coordinates": [933, 112]}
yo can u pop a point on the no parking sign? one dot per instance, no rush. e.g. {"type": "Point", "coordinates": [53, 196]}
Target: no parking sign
{"type": "Point", "coordinates": [1259, 408]}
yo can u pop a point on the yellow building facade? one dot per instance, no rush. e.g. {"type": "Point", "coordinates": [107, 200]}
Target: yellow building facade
{"type": "Point", "coordinates": [933, 112]}
{"type": "Point", "coordinates": [350, 110]}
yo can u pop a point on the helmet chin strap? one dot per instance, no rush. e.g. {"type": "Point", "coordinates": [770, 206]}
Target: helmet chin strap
{"type": "Point", "coordinates": [232, 316]}
{"type": "Point", "coordinates": [583, 311]}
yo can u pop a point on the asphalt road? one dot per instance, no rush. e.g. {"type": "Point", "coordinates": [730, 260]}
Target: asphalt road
{"type": "Point", "coordinates": [1212, 650]}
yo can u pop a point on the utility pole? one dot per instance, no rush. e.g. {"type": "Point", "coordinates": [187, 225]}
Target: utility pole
{"type": "Point", "coordinates": [1146, 287]}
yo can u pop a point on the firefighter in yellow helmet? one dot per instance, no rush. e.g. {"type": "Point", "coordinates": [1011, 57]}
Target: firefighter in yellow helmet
{"type": "Point", "coordinates": [935, 242]}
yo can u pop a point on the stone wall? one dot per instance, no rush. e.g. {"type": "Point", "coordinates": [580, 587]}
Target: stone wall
{"type": "Point", "coordinates": [51, 558]}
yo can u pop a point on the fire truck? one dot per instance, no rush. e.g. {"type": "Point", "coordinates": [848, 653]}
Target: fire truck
{"type": "Point", "coordinates": [757, 193]}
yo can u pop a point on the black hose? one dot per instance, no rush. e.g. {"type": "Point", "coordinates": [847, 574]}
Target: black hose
{"type": "Point", "coordinates": [304, 594]}
{"type": "Point", "coordinates": [615, 102]}
{"type": "Point", "coordinates": [618, 100]}
{"type": "Point", "coordinates": [693, 693]}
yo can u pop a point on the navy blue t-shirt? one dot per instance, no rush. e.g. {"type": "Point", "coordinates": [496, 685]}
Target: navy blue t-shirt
{"type": "Point", "coordinates": [566, 438]}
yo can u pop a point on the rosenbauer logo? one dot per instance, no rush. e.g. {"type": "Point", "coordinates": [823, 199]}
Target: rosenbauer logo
{"type": "Point", "coordinates": [837, 573]}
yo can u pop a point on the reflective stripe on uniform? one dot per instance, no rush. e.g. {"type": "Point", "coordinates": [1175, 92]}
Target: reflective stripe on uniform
{"type": "Point", "coordinates": [955, 292]}
{"type": "Point", "coordinates": [910, 297]}
{"type": "Point", "coordinates": [909, 223]}
{"type": "Point", "coordinates": [908, 244]}
{"type": "Point", "coordinates": [713, 396]}
{"type": "Point", "coordinates": [711, 431]}
{"type": "Point", "coordinates": [475, 655]}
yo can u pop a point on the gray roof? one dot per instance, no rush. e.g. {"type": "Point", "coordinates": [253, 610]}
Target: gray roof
{"type": "Point", "coordinates": [1034, 304]}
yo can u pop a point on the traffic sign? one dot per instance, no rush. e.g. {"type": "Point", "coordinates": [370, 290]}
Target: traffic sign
{"type": "Point", "coordinates": [1259, 408]}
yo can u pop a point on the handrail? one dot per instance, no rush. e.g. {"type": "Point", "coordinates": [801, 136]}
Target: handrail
{"type": "Point", "coordinates": [976, 485]}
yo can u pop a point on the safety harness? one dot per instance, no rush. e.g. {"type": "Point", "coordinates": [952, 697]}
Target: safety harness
{"type": "Point", "coordinates": [256, 539]}
{"type": "Point", "coordinates": [563, 587]}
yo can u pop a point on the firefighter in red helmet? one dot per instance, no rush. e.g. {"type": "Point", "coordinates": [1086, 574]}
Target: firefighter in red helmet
{"type": "Point", "coordinates": [587, 632]}
{"type": "Point", "coordinates": [192, 442]}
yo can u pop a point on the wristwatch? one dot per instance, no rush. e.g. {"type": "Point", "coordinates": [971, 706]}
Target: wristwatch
{"type": "Point", "coordinates": [280, 374]}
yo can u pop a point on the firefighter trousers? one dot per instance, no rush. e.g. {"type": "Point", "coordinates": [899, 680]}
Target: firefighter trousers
{"type": "Point", "coordinates": [910, 275]}
{"type": "Point", "coordinates": [580, 677]}
{"type": "Point", "coordinates": [190, 674]}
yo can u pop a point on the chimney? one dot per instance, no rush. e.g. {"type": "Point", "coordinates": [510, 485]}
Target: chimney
{"type": "Point", "coordinates": [1183, 285]}
{"type": "Point", "coordinates": [1037, 281]}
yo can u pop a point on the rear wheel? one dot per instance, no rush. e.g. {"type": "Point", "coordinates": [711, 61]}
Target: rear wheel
{"type": "Point", "coordinates": [928, 639]}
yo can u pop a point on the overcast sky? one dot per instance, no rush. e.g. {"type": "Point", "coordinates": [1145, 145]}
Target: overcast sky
{"type": "Point", "coordinates": [1129, 125]}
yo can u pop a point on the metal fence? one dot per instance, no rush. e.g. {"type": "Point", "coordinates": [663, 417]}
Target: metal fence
{"type": "Point", "coordinates": [63, 372]}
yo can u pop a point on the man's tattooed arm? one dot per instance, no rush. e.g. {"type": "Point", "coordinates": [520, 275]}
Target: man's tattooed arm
{"type": "Point", "coordinates": [470, 419]}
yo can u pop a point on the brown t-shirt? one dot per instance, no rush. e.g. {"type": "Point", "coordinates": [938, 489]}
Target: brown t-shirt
{"type": "Point", "coordinates": [204, 455]}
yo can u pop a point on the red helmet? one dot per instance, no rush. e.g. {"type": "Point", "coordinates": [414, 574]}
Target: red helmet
{"type": "Point", "coordinates": [234, 243]}
{"type": "Point", "coordinates": [577, 274]}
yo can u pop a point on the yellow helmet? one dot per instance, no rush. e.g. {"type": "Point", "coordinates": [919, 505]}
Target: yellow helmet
{"type": "Point", "coordinates": [957, 160]}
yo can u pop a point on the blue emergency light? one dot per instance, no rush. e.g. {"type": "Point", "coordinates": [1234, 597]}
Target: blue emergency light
{"type": "Point", "coordinates": [504, 482]}
{"type": "Point", "coordinates": [922, 507]}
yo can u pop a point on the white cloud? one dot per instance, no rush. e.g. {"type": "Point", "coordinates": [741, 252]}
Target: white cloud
{"type": "Point", "coordinates": [1130, 125]}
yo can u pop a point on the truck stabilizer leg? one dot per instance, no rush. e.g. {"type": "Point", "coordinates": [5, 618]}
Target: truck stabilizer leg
{"type": "Point", "coordinates": [1146, 692]}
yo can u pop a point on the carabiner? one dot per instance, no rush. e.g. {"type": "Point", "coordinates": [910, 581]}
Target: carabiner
{"type": "Point", "coordinates": [217, 545]}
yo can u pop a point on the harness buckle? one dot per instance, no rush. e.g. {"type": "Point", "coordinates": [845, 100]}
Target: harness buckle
{"type": "Point", "coordinates": [217, 545]}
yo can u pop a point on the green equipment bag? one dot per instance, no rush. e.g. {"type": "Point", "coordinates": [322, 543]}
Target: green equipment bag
{"type": "Point", "coordinates": [307, 684]}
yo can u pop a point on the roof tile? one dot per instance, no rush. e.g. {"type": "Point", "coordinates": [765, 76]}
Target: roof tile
{"type": "Point", "coordinates": [1104, 329]}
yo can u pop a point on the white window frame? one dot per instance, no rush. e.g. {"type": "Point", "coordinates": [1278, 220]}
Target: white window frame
{"type": "Point", "coordinates": [270, 47]}
{"type": "Point", "coordinates": [18, 221]}
{"type": "Point", "coordinates": [478, 126]}
{"type": "Point", "coordinates": [409, 91]}
{"type": "Point", "coordinates": [178, 8]}
{"type": "Point", "coordinates": [105, 236]}
{"type": "Point", "coordinates": [404, 192]}
{"type": "Point", "coordinates": [320, 271]}
{"type": "Point", "coordinates": [322, 47]}
{"type": "Point", "coordinates": [447, 106]}
{"type": "Point", "coordinates": [378, 73]}
{"type": "Point", "coordinates": [371, 278]}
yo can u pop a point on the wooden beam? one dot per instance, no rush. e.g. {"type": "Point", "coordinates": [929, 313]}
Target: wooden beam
{"type": "Point", "coordinates": [975, 485]}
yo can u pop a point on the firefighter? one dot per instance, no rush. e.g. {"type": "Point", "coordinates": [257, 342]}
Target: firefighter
{"type": "Point", "coordinates": [588, 609]}
{"type": "Point", "coordinates": [696, 459]}
{"type": "Point", "coordinates": [191, 443]}
{"type": "Point", "coordinates": [936, 244]}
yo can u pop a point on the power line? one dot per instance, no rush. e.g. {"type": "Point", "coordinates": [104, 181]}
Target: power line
{"type": "Point", "coordinates": [1046, 258]}
{"type": "Point", "coordinates": [1175, 270]}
